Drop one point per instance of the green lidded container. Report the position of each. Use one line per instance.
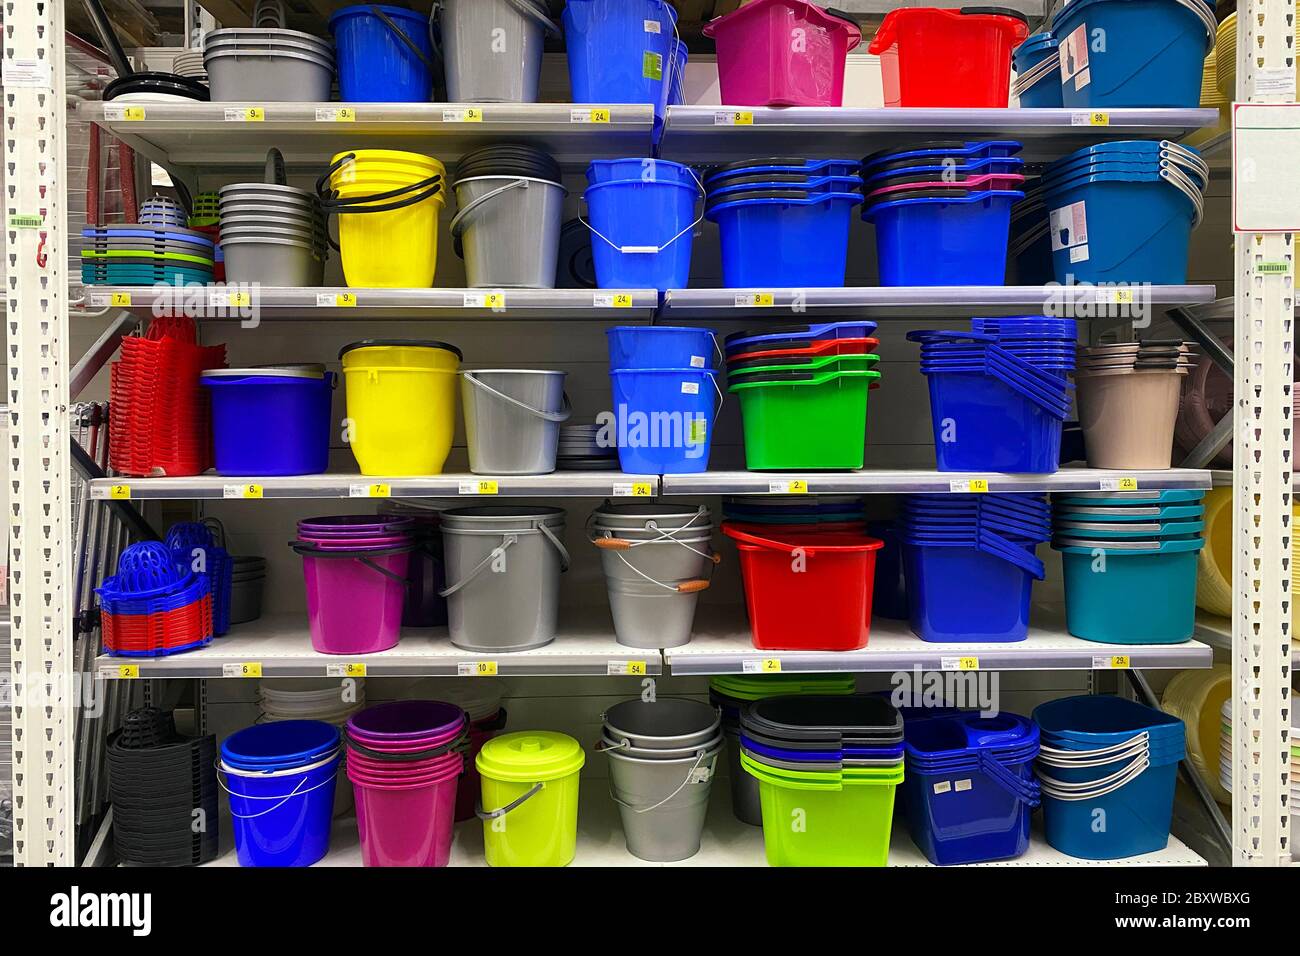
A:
(530, 798)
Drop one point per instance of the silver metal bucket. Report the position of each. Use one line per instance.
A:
(512, 419)
(492, 49)
(663, 803)
(503, 571)
(508, 231)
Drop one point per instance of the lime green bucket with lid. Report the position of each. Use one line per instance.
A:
(826, 819)
(530, 798)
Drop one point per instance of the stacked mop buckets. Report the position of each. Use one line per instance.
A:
(355, 570)
(405, 759)
(970, 788)
(642, 213)
(666, 396)
(1120, 548)
(834, 761)
(657, 560)
(1106, 758)
(281, 779)
(1130, 396)
(530, 798)
(512, 419)
(663, 754)
(733, 693)
(999, 394)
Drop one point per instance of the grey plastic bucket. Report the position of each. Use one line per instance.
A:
(649, 517)
(272, 262)
(512, 419)
(503, 575)
(746, 802)
(654, 585)
(492, 49)
(663, 803)
(508, 230)
(664, 723)
(277, 77)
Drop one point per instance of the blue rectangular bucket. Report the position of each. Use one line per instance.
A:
(928, 242)
(960, 595)
(785, 243)
(982, 424)
(643, 232)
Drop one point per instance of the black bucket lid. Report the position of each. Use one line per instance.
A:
(170, 83)
(400, 343)
(858, 717)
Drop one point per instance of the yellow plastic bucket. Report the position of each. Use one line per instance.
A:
(530, 798)
(402, 414)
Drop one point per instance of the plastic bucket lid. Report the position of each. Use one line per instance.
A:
(530, 757)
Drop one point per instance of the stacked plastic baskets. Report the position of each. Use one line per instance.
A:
(1124, 211)
(143, 255)
(970, 564)
(666, 395)
(193, 545)
(836, 763)
(803, 393)
(1130, 396)
(783, 221)
(1120, 548)
(942, 211)
(999, 394)
(153, 606)
(1107, 759)
(970, 788)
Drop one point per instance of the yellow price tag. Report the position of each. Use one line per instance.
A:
(119, 492)
(346, 114)
(1098, 119)
(641, 489)
(622, 300)
(478, 669)
(487, 488)
(120, 299)
(771, 665)
(134, 113)
(600, 115)
(252, 491)
(346, 300)
(798, 486)
(765, 299)
(1128, 483)
(494, 300)
(473, 115)
(979, 486)
(354, 670)
(1122, 296)
(968, 664)
(1122, 661)
(379, 490)
(241, 300)
(250, 669)
(254, 114)
(630, 668)
(743, 118)
(128, 671)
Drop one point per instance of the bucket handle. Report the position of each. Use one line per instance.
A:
(275, 174)
(653, 250)
(1180, 181)
(296, 792)
(513, 804)
(1028, 792)
(402, 36)
(1092, 789)
(507, 541)
(680, 787)
(555, 417)
(694, 586)
(460, 744)
(308, 552)
(268, 13)
(565, 559)
(457, 226)
(1056, 757)
(1000, 547)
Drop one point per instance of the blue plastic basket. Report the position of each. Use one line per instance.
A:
(744, 341)
(373, 63)
(184, 539)
(661, 346)
(666, 419)
(970, 151)
(642, 232)
(614, 58)
(785, 243)
(927, 242)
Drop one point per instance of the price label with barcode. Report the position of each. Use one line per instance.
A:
(336, 300)
(477, 669)
(349, 669)
(599, 114)
(246, 669)
(1125, 483)
(242, 491)
(626, 668)
(633, 489)
(483, 486)
(755, 300)
(733, 118)
(612, 300)
(969, 486)
(343, 114)
(788, 486)
(1113, 662)
(468, 114)
(767, 665)
(485, 300)
(376, 489)
(245, 114)
(959, 663)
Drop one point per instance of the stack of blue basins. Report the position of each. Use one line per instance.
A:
(192, 545)
(1124, 211)
(999, 394)
(942, 211)
(1118, 549)
(136, 254)
(783, 221)
(970, 564)
(795, 509)
(987, 816)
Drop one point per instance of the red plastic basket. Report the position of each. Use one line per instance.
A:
(156, 632)
(818, 348)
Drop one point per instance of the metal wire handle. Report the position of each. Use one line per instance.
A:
(682, 786)
(652, 250)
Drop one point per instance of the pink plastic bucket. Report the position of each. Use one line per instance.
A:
(467, 797)
(402, 722)
(334, 543)
(354, 598)
(405, 825)
(399, 769)
(782, 53)
(403, 779)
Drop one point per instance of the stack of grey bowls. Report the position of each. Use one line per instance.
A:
(247, 583)
(663, 754)
(268, 65)
(273, 235)
(580, 450)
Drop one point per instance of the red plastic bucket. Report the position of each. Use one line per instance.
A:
(405, 824)
(807, 589)
(354, 598)
(946, 58)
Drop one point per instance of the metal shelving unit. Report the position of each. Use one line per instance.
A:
(924, 482)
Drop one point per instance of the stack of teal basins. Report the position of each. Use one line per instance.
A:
(136, 254)
(1129, 560)
(999, 394)
(970, 564)
(783, 222)
(942, 211)
(1124, 212)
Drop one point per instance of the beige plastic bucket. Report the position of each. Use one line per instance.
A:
(1128, 416)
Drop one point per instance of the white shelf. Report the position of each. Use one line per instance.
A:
(900, 481)
(727, 842)
(1217, 632)
(720, 646)
(281, 646)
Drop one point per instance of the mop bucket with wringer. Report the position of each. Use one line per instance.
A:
(530, 798)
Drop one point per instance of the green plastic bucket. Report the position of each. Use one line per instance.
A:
(826, 819)
(530, 798)
(814, 423)
(828, 363)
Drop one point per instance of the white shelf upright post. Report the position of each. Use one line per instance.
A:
(1262, 487)
(36, 459)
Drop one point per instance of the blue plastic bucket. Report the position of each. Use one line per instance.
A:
(677, 89)
(976, 167)
(1154, 54)
(983, 424)
(665, 419)
(374, 64)
(1136, 814)
(266, 424)
(643, 232)
(785, 243)
(813, 168)
(963, 594)
(282, 818)
(620, 51)
(660, 346)
(1046, 93)
(638, 168)
(927, 242)
(280, 745)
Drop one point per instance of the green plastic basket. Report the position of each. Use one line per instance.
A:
(826, 819)
(828, 363)
(819, 423)
(741, 687)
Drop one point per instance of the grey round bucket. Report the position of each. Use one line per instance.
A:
(654, 586)
(492, 49)
(272, 262)
(648, 517)
(746, 802)
(512, 419)
(246, 600)
(280, 77)
(508, 229)
(503, 575)
(663, 803)
(663, 723)
(609, 744)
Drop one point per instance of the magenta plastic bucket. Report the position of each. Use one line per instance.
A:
(354, 597)
(405, 824)
(354, 524)
(467, 797)
(357, 544)
(427, 723)
(401, 772)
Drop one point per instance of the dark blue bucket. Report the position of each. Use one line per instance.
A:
(374, 64)
(268, 424)
(981, 423)
(665, 419)
(889, 595)
(643, 231)
(660, 346)
(620, 51)
(960, 241)
(965, 595)
(785, 243)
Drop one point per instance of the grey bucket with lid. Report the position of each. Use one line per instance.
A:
(508, 229)
(663, 803)
(503, 575)
(492, 49)
(512, 419)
